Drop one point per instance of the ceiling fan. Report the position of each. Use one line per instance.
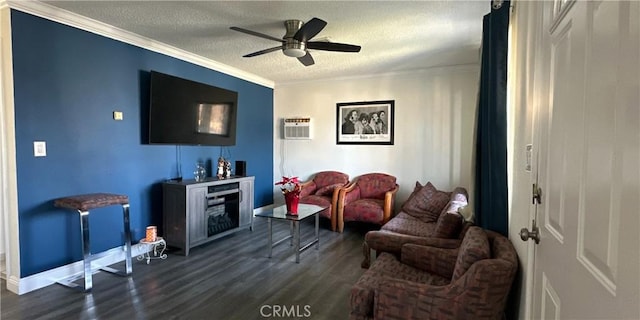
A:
(295, 42)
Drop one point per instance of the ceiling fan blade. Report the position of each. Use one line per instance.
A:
(307, 60)
(310, 30)
(257, 34)
(257, 53)
(332, 46)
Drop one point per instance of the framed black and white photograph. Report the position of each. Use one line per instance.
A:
(365, 122)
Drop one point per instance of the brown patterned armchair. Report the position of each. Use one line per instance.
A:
(370, 199)
(323, 190)
(471, 281)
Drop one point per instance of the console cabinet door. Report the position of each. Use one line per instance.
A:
(197, 220)
(246, 202)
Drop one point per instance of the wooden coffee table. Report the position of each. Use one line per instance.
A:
(280, 213)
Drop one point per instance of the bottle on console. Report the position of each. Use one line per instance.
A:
(227, 168)
(220, 171)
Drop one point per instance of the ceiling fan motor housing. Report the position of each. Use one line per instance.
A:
(296, 41)
(292, 47)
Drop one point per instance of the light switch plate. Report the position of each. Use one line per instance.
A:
(39, 148)
(117, 115)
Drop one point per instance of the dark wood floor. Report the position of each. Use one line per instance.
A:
(230, 278)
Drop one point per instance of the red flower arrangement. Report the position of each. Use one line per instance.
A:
(289, 184)
(291, 189)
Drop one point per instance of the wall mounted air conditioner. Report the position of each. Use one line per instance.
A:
(297, 128)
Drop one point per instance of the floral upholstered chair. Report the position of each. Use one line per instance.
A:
(323, 190)
(369, 199)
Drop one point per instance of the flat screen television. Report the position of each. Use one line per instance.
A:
(185, 112)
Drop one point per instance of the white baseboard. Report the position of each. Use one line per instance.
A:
(49, 277)
(3, 266)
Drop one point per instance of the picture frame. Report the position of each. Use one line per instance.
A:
(365, 122)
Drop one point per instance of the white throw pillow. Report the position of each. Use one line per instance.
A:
(466, 213)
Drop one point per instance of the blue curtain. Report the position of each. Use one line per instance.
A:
(491, 200)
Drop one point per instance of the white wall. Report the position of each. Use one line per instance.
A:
(2, 155)
(523, 103)
(435, 113)
(8, 180)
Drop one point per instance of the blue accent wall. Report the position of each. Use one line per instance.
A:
(67, 84)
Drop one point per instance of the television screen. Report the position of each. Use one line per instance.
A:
(185, 112)
(213, 119)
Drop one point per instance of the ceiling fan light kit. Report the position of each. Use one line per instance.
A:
(295, 42)
(294, 48)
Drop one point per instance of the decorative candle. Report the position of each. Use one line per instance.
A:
(152, 233)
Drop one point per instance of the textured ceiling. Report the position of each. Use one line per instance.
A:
(395, 36)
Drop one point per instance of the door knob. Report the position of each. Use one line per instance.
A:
(534, 234)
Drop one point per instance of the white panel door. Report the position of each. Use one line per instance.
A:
(587, 265)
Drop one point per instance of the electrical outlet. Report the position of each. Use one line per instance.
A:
(39, 149)
(117, 115)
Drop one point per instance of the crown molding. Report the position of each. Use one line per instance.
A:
(65, 17)
(459, 68)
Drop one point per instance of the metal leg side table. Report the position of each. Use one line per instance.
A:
(280, 213)
(83, 204)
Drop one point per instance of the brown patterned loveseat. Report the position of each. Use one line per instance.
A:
(428, 213)
(429, 282)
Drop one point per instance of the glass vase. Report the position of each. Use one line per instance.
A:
(291, 199)
(200, 174)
